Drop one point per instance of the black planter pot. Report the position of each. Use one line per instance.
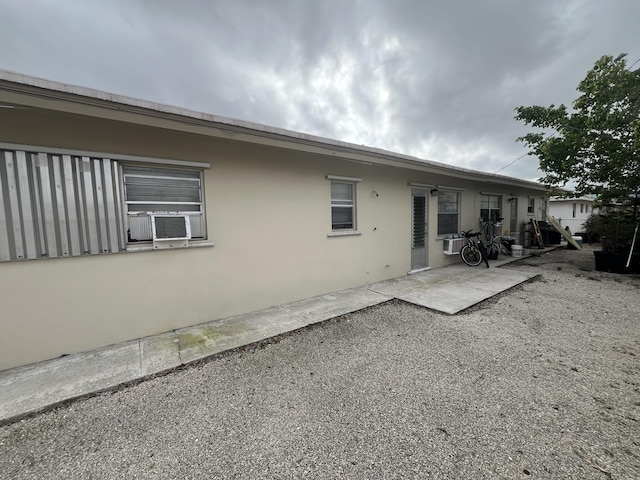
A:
(616, 262)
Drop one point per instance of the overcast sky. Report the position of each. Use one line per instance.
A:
(435, 79)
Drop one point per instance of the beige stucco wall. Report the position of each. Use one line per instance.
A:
(268, 215)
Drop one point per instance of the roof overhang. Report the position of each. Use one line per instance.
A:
(22, 91)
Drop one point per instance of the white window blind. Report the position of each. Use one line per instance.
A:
(448, 213)
(152, 190)
(342, 206)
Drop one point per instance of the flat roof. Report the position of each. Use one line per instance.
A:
(22, 83)
(572, 199)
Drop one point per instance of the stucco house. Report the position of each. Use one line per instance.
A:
(572, 212)
(122, 218)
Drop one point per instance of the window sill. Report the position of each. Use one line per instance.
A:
(447, 236)
(344, 234)
(147, 247)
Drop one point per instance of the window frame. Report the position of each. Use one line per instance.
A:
(348, 205)
(340, 204)
(440, 234)
(163, 172)
(531, 206)
(498, 209)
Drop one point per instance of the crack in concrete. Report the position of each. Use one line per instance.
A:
(177, 342)
(390, 297)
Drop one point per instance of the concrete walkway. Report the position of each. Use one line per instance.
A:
(32, 388)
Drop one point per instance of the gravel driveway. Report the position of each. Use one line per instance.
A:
(540, 382)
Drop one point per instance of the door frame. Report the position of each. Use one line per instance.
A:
(513, 219)
(423, 263)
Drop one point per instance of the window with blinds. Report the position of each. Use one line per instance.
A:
(58, 206)
(342, 206)
(448, 211)
(490, 207)
(152, 191)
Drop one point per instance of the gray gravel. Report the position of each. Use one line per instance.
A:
(540, 382)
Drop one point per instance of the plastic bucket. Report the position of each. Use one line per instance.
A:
(516, 250)
(578, 240)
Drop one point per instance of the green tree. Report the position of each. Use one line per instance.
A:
(596, 144)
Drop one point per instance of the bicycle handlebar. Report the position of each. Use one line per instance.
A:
(470, 233)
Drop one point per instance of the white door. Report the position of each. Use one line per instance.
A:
(418, 229)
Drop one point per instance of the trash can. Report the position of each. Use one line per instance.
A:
(578, 240)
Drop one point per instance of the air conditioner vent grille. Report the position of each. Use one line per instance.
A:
(171, 227)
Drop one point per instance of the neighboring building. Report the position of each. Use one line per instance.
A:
(572, 212)
(121, 218)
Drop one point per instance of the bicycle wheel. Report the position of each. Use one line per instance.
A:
(501, 246)
(471, 255)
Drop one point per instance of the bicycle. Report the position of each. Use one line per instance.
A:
(497, 246)
(473, 252)
(494, 244)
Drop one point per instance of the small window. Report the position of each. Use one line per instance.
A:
(531, 206)
(152, 191)
(448, 211)
(582, 208)
(586, 208)
(574, 210)
(490, 207)
(343, 207)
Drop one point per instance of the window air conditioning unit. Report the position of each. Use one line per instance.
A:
(170, 231)
(452, 246)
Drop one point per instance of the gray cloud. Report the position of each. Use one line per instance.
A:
(438, 80)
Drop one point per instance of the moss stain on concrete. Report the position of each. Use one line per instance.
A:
(206, 336)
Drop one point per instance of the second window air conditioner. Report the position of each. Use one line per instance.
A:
(452, 246)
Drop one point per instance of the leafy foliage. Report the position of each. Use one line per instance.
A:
(597, 143)
(614, 230)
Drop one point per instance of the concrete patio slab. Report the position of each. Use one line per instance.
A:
(452, 289)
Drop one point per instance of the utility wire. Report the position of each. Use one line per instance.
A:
(551, 135)
(521, 156)
(509, 164)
